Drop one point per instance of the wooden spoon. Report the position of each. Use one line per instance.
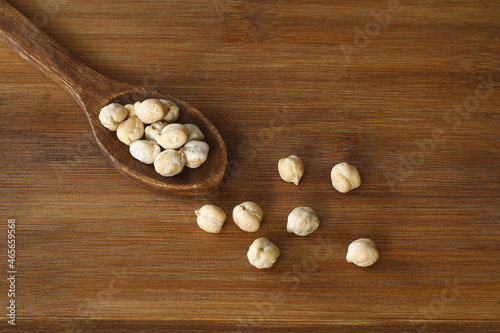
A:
(93, 91)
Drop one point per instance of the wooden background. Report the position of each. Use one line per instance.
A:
(413, 102)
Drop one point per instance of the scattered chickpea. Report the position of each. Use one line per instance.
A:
(130, 130)
(145, 151)
(345, 177)
(302, 221)
(128, 121)
(291, 169)
(194, 133)
(210, 218)
(362, 252)
(196, 153)
(151, 131)
(173, 136)
(248, 216)
(150, 111)
(112, 115)
(262, 253)
(170, 162)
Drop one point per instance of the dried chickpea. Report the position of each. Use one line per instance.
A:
(171, 111)
(130, 130)
(345, 177)
(151, 131)
(136, 106)
(112, 115)
(262, 253)
(170, 162)
(362, 252)
(291, 169)
(196, 153)
(302, 221)
(172, 136)
(131, 110)
(194, 133)
(210, 218)
(248, 216)
(150, 111)
(145, 151)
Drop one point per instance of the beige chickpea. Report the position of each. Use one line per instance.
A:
(112, 115)
(262, 253)
(362, 252)
(172, 111)
(196, 153)
(151, 131)
(248, 216)
(150, 111)
(291, 169)
(131, 110)
(172, 136)
(194, 133)
(345, 177)
(130, 130)
(145, 151)
(210, 218)
(170, 162)
(302, 221)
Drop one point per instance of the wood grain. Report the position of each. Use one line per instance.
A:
(415, 106)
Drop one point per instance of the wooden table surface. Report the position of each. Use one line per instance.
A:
(409, 92)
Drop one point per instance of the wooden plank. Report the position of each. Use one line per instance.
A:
(415, 107)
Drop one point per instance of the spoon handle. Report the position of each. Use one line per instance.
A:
(56, 62)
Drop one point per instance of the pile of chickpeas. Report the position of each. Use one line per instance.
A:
(302, 221)
(149, 128)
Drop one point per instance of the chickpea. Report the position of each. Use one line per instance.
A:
(362, 252)
(173, 136)
(112, 115)
(131, 110)
(210, 218)
(302, 221)
(130, 130)
(345, 177)
(248, 216)
(172, 111)
(170, 162)
(151, 131)
(145, 151)
(262, 253)
(196, 153)
(150, 111)
(194, 133)
(291, 169)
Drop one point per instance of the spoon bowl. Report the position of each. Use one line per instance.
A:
(206, 178)
(93, 91)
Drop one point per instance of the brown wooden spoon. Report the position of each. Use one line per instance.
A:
(93, 91)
